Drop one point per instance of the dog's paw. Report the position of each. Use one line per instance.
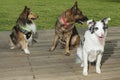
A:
(12, 47)
(85, 73)
(67, 54)
(82, 65)
(51, 49)
(26, 51)
(98, 70)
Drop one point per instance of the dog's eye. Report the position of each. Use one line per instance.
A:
(31, 13)
(96, 28)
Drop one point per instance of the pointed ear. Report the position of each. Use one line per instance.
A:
(90, 22)
(24, 13)
(25, 8)
(76, 4)
(105, 20)
(75, 7)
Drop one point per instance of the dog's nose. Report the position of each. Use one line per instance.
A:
(85, 18)
(102, 35)
(37, 16)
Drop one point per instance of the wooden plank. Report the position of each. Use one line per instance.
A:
(44, 65)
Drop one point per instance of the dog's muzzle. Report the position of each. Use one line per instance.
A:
(81, 20)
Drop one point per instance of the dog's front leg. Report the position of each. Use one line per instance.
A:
(24, 46)
(67, 47)
(55, 42)
(85, 63)
(98, 63)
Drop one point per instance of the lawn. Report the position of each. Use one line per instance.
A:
(49, 10)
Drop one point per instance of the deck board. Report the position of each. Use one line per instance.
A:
(44, 65)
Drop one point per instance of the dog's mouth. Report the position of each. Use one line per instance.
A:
(101, 37)
(79, 21)
(34, 18)
(82, 20)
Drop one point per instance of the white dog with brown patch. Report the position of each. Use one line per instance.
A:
(92, 47)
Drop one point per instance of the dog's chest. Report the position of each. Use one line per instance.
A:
(63, 36)
(91, 43)
(32, 27)
(92, 55)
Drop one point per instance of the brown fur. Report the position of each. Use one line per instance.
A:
(17, 37)
(65, 31)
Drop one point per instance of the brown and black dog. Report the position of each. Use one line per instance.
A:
(23, 32)
(65, 31)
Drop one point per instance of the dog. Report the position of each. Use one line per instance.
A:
(92, 47)
(24, 31)
(65, 31)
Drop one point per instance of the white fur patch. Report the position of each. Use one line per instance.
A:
(32, 27)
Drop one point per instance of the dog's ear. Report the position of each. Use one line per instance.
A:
(24, 13)
(105, 20)
(75, 7)
(90, 23)
(25, 8)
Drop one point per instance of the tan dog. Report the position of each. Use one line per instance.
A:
(24, 30)
(65, 31)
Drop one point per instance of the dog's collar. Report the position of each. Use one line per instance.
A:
(64, 21)
(26, 28)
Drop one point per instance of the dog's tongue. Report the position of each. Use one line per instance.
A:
(101, 39)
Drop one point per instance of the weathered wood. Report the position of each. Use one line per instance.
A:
(44, 65)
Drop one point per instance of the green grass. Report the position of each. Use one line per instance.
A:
(49, 10)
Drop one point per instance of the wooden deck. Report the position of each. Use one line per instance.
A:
(44, 65)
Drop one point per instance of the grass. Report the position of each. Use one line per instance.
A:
(49, 10)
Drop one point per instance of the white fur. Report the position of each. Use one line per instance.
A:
(32, 27)
(28, 43)
(26, 51)
(92, 48)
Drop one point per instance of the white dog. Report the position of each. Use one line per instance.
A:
(92, 47)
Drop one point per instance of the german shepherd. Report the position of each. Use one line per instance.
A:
(24, 31)
(65, 31)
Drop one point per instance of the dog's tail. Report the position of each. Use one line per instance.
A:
(79, 55)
